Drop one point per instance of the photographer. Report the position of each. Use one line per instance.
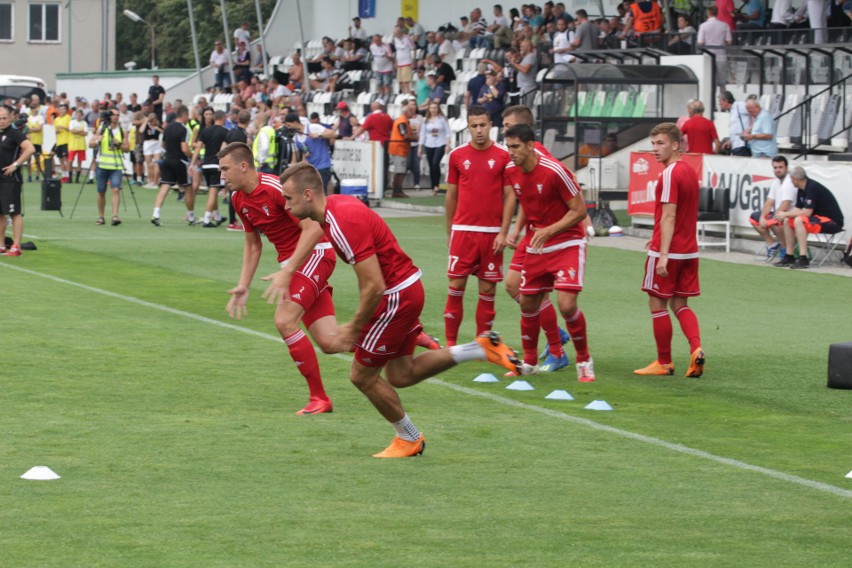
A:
(288, 154)
(15, 150)
(313, 141)
(111, 141)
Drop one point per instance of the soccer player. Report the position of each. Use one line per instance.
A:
(262, 209)
(555, 357)
(671, 270)
(479, 209)
(556, 249)
(385, 325)
(176, 140)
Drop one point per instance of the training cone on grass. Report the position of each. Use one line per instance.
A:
(40, 473)
(520, 386)
(560, 395)
(486, 378)
(849, 475)
(598, 405)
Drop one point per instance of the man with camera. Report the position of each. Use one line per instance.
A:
(110, 142)
(15, 150)
(313, 141)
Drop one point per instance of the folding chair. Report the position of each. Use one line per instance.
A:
(829, 243)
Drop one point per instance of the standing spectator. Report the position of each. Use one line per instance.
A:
(237, 134)
(356, 31)
(77, 130)
(382, 66)
(682, 42)
(377, 125)
(586, 36)
(436, 92)
(221, 62)
(242, 62)
(61, 125)
(671, 270)
(416, 32)
(475, 84)
(243, 34)
(133, 105)
(562, 40)
(125, 117)
(492, 96)
(176, 139)
(399, 147)
(760, 134)
(156, 95)
(738, 121)
(435, 139)
(782, 197)
(525, 65)
(703, 138)
(151, 148)
(313, 141)
(415, 122)
(404, 48)
(818, 12)
(725, 13)
(346, 122)
(35, 134)
(111, 141)
(819, 213)
(714, 33)
(15, 150)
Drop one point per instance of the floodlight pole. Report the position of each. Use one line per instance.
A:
(195, 44)
(137, 18)
(228, 43)
(260, 28)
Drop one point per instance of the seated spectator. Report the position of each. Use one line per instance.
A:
(819, 213)
(474, 85)
(700, 131)
(752, 16)
(354, 55)
(327, 78)
(445, 48)
(500, 30)
(297, 72)
(782, 197)
(276, 92)
(432, 44)
(478, 30)
(436, 92)
(588, 151)
(443, 72)
(492, 96)
(682, 43)
(760, 134)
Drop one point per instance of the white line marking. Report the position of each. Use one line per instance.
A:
(819, 486)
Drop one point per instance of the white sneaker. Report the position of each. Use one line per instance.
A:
(417, 186)
(586, 371)
(527, 369)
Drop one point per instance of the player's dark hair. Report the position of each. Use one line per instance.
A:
(727, 96)
(219, 115)
(779, 159)
(521, 112)
(669, 129)
(303, 176)
(181, 111)
(239, 152)
(477, 110)
(522, 132)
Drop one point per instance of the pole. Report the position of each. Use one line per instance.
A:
(70, 44)
(306, 85)
(228, 42)
(195, 45)
(153, 65)
(104, 34)
(262, 37)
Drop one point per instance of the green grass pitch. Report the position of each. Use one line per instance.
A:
(172, 426)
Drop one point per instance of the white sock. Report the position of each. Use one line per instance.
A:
(207, 216)
(406, 429)
(217, 215)
(157, 212)
(472, 351)
(190, 216)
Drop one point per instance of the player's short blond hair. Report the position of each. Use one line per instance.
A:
(239, 151)
(669, 129)
(303, 176)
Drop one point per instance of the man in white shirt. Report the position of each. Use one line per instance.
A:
(220, 60)
(242, 33)
(445, 48)
(738, 121)
(715, 32)
(404, 58)
(782, 196)
(382, 65)
(500, 30)
(562, 40)
(356, 31)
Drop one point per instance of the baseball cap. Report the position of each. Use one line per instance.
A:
(291, 117)
(342, 105)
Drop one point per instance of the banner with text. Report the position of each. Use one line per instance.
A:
(361, 160)
(644, 171)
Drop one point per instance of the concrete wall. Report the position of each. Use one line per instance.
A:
(81, 46)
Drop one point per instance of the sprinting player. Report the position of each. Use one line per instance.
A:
(556, 250)
(671, 270)
(261, 207)
(176, 138)
(479, 209)
(554, 355)
(386, 323)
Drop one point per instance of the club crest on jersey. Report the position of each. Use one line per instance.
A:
(491, 163)
(466, 164)
(266, 210)
(539, 187)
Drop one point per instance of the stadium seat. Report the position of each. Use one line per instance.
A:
(714, 211)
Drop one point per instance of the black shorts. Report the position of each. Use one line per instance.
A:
(212, 176)
(61, 150)
(37, 149)
(173, 172)
(10, 198)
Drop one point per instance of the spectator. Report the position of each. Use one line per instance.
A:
(399, 147)
(444, 73)
(15, 150)
(243, 34)
(242, 62)
(354, 55)
(435, 138)
(525, 65)
(111, 141)
(586, 35)
(61, 125)
(752, 16)
(432, 44)
(221, 62)
(382, 65)
(377, 125)
(492, 97)
(35, 134)
(715, 33)
(416, 32)
(296, 71)
(562, 40)
(819, 213)
(77, 130)
(818, 12)
(415, 123)
(783, 16)
(588, 150)
(738, 121)
(260, 60)
(475, 84)
(156, 95)
(276, 92)
(500, 29)
(684, 140)
(478, 28)
(782, 196)
(404, 48)
(346, 122)
(313, 141)
(682, 42)
(421, 86)
(327, 78)
(445, 48)
(725, 13)
(760, 134)
(356, 31)
(436, 92)
(703, 138)
(643, 17)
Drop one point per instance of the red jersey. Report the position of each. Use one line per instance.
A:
(544, 194)
(357, 232)
(701, 133)
(480, 176)
(378, 125)
(678, 184)
(264, 210)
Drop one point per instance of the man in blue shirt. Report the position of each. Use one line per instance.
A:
(761, 134)
(312, 140)
(752, 16)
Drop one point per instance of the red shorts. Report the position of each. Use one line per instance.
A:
(520, 254)
(681, 281)
(472, 253)
(78, 155)
(309, 287)
(562, 269)
(816, 224)
(392, 331)
(755, 219)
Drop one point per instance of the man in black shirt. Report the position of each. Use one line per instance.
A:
(156, 94)
(819, 213)
(15, 150)
(444, 72)
(176, 150)
(237, 134)
(212, 139)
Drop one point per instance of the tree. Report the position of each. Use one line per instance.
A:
(170, 19)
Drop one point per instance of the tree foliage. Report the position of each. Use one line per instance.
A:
(173, 39)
